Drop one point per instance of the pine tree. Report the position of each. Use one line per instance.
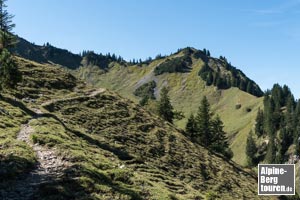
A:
(208, 53)
(249, 88)
(9, 74)
(191, 127)
(242, 85)
(251, 149)
(209, 79)
(7, 39)
(269, 126)
(203, 123)
(165, 108)
(271, 151)
(207, 131)
(259, 125)
(219, 141)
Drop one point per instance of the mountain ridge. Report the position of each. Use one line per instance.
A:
(189, 73)
(142, 157)
(49, 53)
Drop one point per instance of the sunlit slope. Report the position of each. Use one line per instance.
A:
(186, 92)
(114, 149)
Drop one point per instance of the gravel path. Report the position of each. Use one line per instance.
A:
(49, 167)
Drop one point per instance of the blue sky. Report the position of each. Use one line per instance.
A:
(262, 38)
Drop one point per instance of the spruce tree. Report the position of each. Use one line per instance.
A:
(207, 131)
(219, 141)
(249, 88)
(191, 127)
(269, 126)
(165, 108)
(259, 123)
(209, 79)
(271, 151)
(7, 39)
(203, 123)
(9, 74)
(251, 149)
(208, 53)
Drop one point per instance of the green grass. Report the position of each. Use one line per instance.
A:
(15, 156)
(186, 92)
(157, 161)
(117, 150)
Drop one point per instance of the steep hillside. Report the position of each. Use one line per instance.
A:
(50, 54)
(180, 73)
(189, 74)
(79, 142)
(46, 53)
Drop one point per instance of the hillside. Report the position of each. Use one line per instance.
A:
(46, 54)
(189, 74)
(79, 142)
(52, 55)
(236, 108)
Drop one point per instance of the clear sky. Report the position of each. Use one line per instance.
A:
(260, 37)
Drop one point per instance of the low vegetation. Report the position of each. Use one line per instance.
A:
(145, 92)
(178, 64)
(15, 157)
(117, 150)
(212, 74)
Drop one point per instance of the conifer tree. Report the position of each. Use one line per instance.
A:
(251, 149)
(191, 127)
(269, 115)
(209, 79)
(203, 123)
(207, 131)
(249, 88)
(259, 125)
(208, 53)
(271, 151)
(219, 141)
(7, 39)
(9, 74)
(165, 108)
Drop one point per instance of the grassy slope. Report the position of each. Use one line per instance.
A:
(15, 156)
(186, 91)
(116, 149)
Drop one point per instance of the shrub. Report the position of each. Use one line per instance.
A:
(180, 64)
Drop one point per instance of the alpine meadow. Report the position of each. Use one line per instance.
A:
(175, 126)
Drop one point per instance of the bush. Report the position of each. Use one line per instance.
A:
(224, 81)
(180, 64)
(238, 106)
(9, 73)
(122, 176)
(146, 91)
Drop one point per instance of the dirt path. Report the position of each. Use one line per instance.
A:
(49, 168)
(91, 94)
